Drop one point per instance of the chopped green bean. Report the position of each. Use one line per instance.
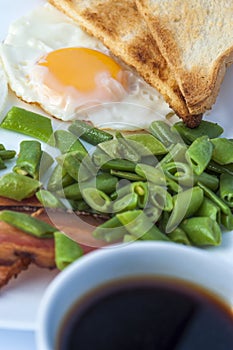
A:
(211, 181)
(209, 209)
(206, 128)
(68, 142)
(18, 187)
(199, 154)
(111, 230)
(138, 224)
(27, 223)
(48, 199)
(186, 203)
(78, 166)
(59, 179)
(176, 153)
(226, 189)
(89, 133)
(217, 200)
(7, 154)
(163, 132)
(97, 199)
(146, 144)
(66, 250)
(126, 175)
(179, 172)
(151, 174)
(128, 202)
(103, 182)
(202, 231)
(29, 123)
(223, 151)
(179, 236)
(160, 197)
(29, 159)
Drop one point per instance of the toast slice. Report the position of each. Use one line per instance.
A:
(195, 37)
(120, 27)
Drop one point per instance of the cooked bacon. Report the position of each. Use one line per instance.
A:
(19, 249)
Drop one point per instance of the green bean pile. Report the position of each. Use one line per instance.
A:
(170, 183)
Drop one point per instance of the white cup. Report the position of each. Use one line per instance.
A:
(136, 259)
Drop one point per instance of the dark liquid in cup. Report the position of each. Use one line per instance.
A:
(148, 314)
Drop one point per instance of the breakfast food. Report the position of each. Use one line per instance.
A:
(57, 65)
(3, 87)
(120, 27)
(196, 40)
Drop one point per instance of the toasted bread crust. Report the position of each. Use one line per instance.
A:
(120, 27)
(201, 78)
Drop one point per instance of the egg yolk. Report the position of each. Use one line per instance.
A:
(80, 67)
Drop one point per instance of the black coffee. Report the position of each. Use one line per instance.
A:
(146, 314)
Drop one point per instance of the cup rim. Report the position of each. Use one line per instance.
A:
(87, 261)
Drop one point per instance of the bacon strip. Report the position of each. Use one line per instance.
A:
(18, 249)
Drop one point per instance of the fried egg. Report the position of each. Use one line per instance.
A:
(51, 61)
(3, 88)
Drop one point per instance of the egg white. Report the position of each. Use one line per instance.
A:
(3, 88)
(46, 29)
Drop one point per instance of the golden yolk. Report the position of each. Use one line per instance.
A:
(79, 67)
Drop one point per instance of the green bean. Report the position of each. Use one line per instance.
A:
(29, 123)
(223, 151)
(199, 154)
(202, 231)
(227, 221)
(146, 144)
(27, 224)
(59, 179)
(226, 189)
(80, 168)
(126, 175)
(151, 174)
(153, 213)
(68, 142)
(139, 187)
(119, 165)
(138, 224)
(103, 182)
(2, 164)
(206, 128)
(66, 250)
(119, 148)
(111, 230)
(48, 199)
(79, 205)
(97, 199)
(160, 197)
(126, 149)
(29, 159)
(45, 163)
(217, 200)
(89, 133)
(17, 186)
(209, 209)
(128, 202)
(176, 153)
(179, 172)
(219, 169)
(179, 236)
(7, 154)
(163, 132)
(185, 204)
(211, 181)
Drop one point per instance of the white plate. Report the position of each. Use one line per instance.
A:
(20, 299)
